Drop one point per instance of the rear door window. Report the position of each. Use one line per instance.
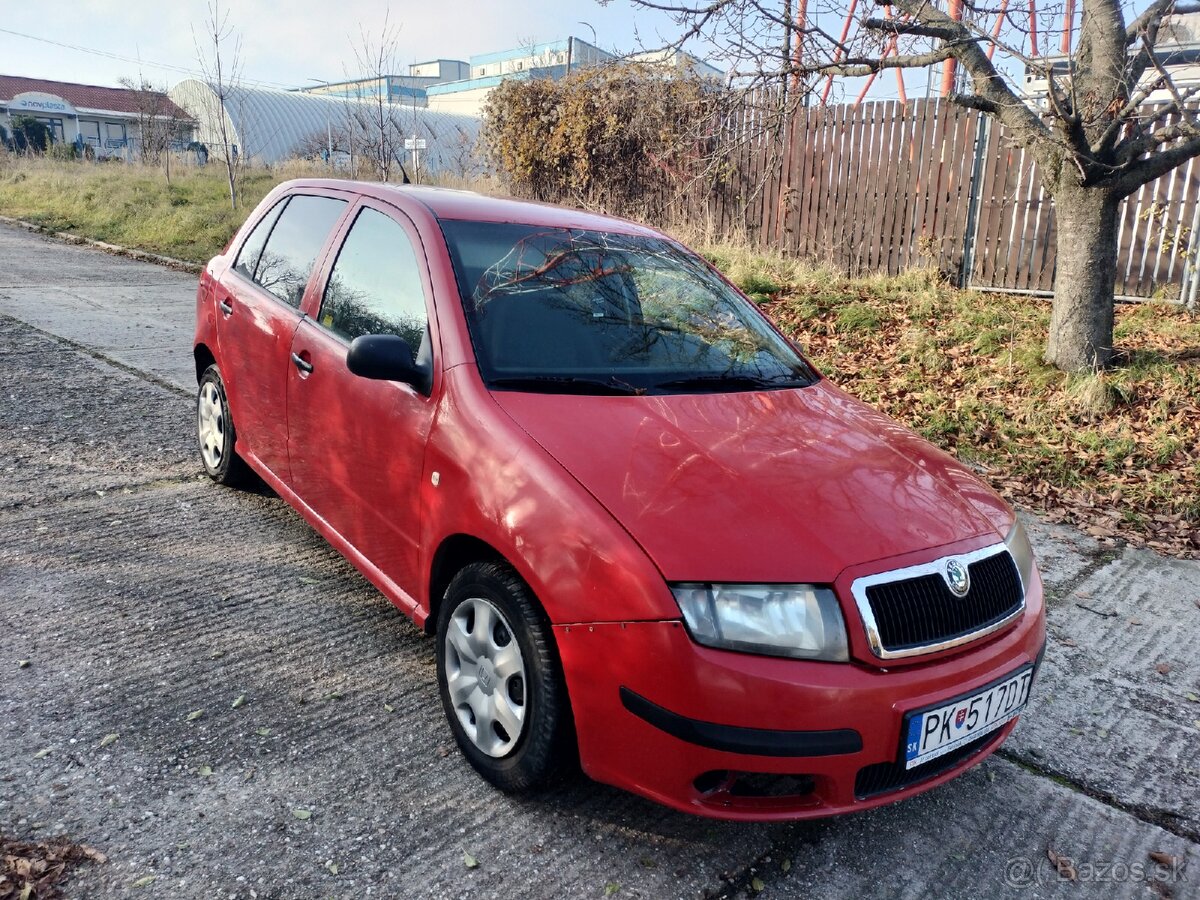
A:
(375, 286)
(248, 256)
(291, 250)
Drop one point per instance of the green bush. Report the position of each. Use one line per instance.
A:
(612, 136)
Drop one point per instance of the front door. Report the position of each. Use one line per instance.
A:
(258, 310)
(356, 445)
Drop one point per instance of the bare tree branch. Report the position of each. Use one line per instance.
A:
(1157, 165)
(987, 82)
(1152, 15)
(899, 27)
(859, 66)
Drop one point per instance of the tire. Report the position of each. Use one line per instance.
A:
(481, 682)
(215, 434)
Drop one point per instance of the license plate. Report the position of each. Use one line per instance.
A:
(937, 731)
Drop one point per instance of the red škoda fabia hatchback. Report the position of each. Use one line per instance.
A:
(648, 536)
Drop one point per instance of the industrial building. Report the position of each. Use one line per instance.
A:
(409, 89)
(676, 62)
(267, 126)
(462, 87)
(106, 120)
(554, 60)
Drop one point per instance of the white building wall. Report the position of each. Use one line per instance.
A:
(463, 103)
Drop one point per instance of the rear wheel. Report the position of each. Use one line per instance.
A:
(500, 679)
(215, 433)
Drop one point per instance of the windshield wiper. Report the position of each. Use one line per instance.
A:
(733, 382)
(564, 384)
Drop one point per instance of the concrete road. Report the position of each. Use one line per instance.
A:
(214, 698)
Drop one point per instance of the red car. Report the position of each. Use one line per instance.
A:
(650, 538)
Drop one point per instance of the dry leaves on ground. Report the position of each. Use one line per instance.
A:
(35, 870)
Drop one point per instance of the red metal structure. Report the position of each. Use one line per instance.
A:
(838, 53)
(950, 67)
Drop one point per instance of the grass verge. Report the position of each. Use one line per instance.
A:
(190, 219)
(133, 206)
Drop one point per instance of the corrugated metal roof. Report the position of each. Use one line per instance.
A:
(86, 96)
(270, 126)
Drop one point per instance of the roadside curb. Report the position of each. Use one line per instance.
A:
(169, 262)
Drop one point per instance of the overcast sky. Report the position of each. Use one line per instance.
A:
(287, 43)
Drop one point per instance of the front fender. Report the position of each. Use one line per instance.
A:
(485, 477)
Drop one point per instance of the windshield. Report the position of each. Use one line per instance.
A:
(564, 310)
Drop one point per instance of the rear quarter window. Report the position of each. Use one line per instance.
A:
(248, 256)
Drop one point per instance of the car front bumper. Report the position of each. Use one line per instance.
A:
(738, 736)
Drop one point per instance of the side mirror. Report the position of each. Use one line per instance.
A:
(387, 357)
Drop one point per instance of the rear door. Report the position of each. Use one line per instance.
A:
(357, 446)
(259, 301)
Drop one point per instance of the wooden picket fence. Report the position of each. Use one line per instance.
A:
(886, 186)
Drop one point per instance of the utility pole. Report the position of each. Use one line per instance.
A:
(328, 128)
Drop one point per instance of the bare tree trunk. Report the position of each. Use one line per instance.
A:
(229, 170)
(1081, 325)
(222, 71)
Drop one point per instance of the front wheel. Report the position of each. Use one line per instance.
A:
(215, 433)
(500, 679)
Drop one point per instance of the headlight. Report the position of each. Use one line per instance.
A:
(799, 620)
(1022, 553)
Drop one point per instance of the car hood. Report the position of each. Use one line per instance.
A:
(761, 486)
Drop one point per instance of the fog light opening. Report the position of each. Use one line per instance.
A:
(711, 782)
(764, 784)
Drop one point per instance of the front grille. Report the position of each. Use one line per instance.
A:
(880, 778)
(919, 611)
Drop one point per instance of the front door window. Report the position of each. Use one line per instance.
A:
(375, 286)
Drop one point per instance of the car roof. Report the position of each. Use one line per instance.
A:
(449, 203)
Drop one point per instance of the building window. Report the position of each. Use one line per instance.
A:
(55, 126)
(114, 135)
(90, 132)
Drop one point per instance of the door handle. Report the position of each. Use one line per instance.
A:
(226, 307)
(302, 364)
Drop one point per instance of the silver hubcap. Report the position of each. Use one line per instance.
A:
(210, 426)
(485, 674)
